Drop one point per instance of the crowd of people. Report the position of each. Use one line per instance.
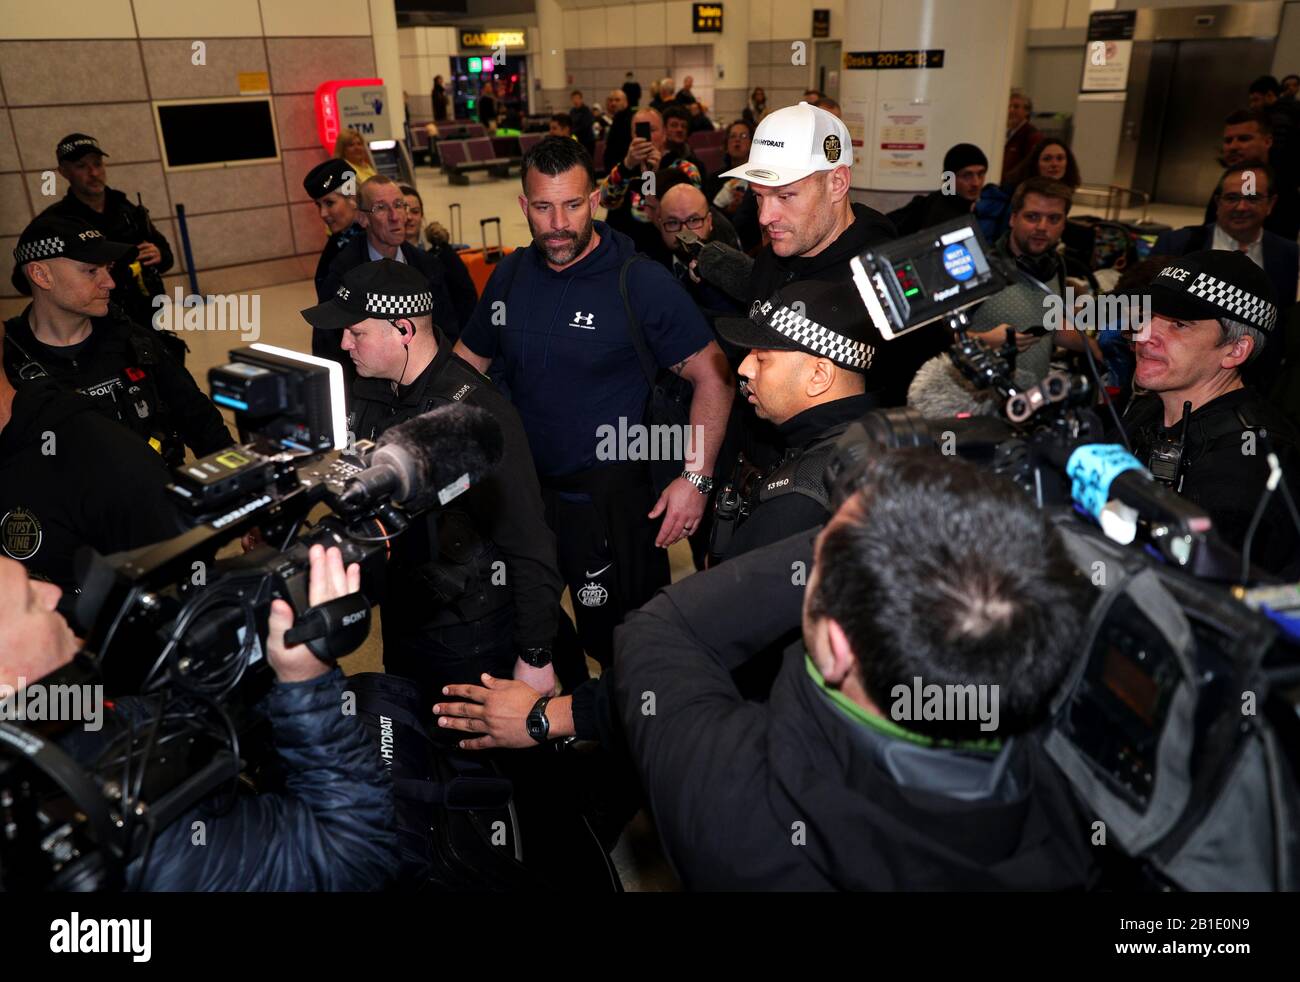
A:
(769, 693)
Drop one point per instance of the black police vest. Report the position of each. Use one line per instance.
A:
(801, 471)
(459, 579)
(1161, 455)
(134, 401)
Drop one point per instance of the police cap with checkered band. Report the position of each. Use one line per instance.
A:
(822, 318)
(1215, 284)
(60, 237)
(386, 290)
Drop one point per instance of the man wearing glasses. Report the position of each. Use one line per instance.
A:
(682, 207)
(382, 213)
(1245, 196)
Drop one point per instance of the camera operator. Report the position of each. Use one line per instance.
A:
(333, 830)
(69, 333)
(475, 588)
(810, 350)
(1213, 311)
(933, 572)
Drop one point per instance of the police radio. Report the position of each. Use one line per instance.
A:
(1166, 462)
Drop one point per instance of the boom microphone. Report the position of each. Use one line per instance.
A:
(430, 459)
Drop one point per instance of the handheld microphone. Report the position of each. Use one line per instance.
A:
(727, 269)
(1110, 484)
(430, 459)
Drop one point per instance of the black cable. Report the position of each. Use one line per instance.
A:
(1101, 387)
(1251, 530)
(134, 800)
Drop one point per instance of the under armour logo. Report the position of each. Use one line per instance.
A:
(587, 321)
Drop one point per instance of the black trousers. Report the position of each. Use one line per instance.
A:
(591, 557)
(455, 654)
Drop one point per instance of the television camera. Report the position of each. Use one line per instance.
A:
(174, 632)
(1172, 724)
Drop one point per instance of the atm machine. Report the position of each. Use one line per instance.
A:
(361, 104)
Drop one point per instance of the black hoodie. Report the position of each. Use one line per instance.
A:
(70, 477)
(899, 359)
(795, 794)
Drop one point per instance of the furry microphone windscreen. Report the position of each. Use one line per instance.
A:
(453, 446)
(940, 391)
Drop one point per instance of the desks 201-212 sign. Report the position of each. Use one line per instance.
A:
(932, 58)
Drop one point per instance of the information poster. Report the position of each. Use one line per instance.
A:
(857, 126)
(904, 127)
(1109, 51)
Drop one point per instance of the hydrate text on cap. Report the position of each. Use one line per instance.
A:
(792, 143)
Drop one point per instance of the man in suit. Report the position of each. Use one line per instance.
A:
(382, 213)
(1247, 136)
(1245, 196)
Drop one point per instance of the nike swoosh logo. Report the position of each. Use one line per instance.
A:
(591, 576)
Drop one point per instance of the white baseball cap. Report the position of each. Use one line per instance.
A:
(792, 143)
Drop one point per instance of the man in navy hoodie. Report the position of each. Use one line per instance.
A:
(554, 318)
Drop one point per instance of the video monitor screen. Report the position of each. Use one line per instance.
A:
(213, 134)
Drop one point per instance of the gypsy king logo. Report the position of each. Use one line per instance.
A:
(20, 534)
(831, 148)
(593, 595)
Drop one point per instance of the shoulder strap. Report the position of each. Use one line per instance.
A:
(448, 388)
(509, 284)
(648, 366)
(792, 469)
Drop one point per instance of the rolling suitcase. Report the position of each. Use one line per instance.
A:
(481, 262)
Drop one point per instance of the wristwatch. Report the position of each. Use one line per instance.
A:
(702, 484)
(536, 657)
(537, 724)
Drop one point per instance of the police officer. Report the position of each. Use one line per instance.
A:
(333, 186)
(474, 588)
(811, 348)
(1213, 312)
(71, 478)
(71, 333)
(91, 200)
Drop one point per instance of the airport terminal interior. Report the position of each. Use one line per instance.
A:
(241, 148)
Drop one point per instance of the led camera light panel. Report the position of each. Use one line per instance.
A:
(910, 282)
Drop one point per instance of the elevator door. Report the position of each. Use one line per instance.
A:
(1208, 81)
